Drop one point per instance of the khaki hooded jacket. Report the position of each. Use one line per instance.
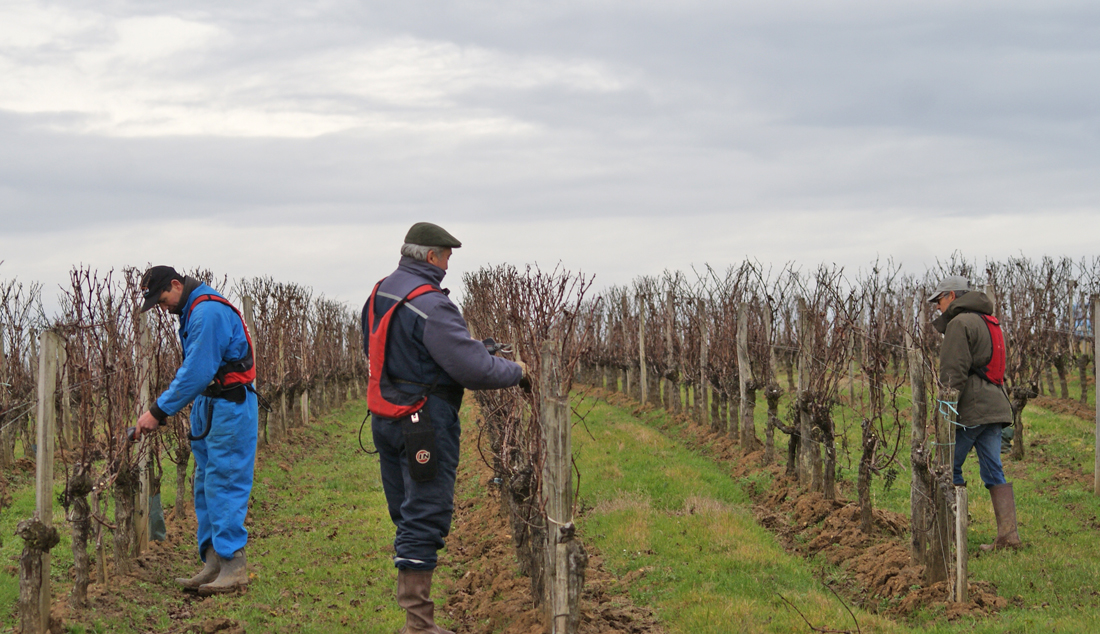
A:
(966, 347)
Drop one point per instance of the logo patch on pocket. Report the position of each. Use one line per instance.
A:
(423, 456)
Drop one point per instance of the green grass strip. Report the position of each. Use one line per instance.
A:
(320, 549)
(672, 520)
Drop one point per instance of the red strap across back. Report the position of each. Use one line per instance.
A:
(994, 371)
(241, 371)
(377, 403)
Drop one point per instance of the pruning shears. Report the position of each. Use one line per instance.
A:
(494, 346)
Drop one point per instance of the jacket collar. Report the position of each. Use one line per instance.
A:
(430, 272)
(189, 286)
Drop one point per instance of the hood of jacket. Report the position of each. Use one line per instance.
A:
(972, 302)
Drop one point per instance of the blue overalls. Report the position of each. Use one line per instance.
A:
(212, 334)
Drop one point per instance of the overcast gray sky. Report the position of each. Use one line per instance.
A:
(300, 140)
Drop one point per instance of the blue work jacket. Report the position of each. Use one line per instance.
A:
(212, 335)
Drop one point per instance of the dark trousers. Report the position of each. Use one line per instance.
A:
(421, 511)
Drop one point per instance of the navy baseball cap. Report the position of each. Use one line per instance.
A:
(155, 281)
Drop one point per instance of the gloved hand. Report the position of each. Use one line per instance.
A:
(525, 380)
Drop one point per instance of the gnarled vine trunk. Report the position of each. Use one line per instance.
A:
(77, 492)
(127, 486)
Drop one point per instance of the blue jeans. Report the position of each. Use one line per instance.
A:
(986, 441)
(421, 511)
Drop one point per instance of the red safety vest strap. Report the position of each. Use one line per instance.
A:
(994, 371)
(377, 338)
(240, 371)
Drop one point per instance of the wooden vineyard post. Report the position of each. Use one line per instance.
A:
(67, 435)
(39, 533)
(141, 526)
(34, 359)
(769, 429)
(281, 426)
(1096, 360)
(643, 383)
(803, 421)
(946, 416)
(852, 363)
(565, 559)
(702, 409)
(628, 382)
(672, 382)
(303, 402)
(809, 452)
(921, 487)
(248, 309)
(100, 554)
(7, 431)
(962, 524)
(746, 381)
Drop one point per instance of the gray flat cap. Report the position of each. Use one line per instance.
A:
(428, 235)
(949, 284)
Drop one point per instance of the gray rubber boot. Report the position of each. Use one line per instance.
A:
(1004, 508)
(414, 588)
(233, 575)
(208, 573)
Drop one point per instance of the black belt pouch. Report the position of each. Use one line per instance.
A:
(420, 445)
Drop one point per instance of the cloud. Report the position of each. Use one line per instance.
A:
(163, 75)
(589, 132)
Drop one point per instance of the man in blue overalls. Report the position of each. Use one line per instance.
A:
(217, 374)
(422, 358)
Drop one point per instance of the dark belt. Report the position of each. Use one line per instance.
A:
(452, 394)
(234, 394)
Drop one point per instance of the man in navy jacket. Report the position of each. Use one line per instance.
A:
(428, 352)
(216, 374)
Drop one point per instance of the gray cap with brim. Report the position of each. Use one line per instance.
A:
(949, 284)
(428, 235)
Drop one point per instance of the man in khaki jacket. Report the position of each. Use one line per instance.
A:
(972, 361)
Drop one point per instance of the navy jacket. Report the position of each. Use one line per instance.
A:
(429, 340)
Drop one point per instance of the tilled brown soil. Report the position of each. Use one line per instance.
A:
(877, 574)
(1063, 406)
(491, 596)
(106, 601)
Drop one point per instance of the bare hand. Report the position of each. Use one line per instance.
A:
(146, 422)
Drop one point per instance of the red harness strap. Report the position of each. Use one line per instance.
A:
(241, 371)
(377, 403)
(994, 371)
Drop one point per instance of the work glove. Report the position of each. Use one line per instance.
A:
(525, 380)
